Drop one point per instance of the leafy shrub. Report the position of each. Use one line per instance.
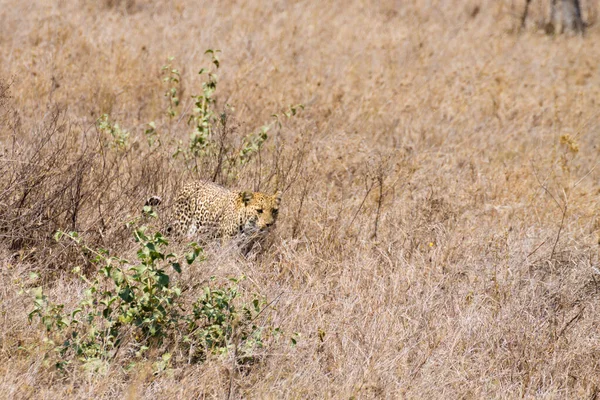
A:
(132, 307)
(211, 146)
(119, 136)
(172, 79)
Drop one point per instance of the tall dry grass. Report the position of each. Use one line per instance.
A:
(439, 229)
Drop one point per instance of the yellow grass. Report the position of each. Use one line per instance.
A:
(472, 141)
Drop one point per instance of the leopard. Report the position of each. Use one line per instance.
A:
(207, 210)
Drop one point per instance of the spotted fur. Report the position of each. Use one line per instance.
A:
(206, 209)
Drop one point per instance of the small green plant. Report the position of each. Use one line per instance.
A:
(123, 301)
(210, 129)
(253, 143)
(172, 79)
(152, 134)
(203, 117)
(217, 319)
(131, 307)
(120, 137)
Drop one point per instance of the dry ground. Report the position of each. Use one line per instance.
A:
(438, 236)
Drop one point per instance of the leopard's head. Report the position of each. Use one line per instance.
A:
(259, 211)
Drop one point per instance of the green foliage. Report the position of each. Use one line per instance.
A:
(119, 136)
(133, 307)
(172, 79)
(253, 143)
(151, 134)
(203, 117)
(210, 129)
(216, 319)
(52, 314)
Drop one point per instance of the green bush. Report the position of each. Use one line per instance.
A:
(211, 146)
(131, 307)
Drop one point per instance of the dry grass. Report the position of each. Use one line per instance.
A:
(439, 229)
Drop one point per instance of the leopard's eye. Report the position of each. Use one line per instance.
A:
(260, 211)
(275, 211)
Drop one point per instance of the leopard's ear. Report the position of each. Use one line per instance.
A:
(277, 197)
(246, 197)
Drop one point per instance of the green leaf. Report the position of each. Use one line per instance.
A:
(127, 295)
(117, 276)
(190, 257)
(163, 279)
(38, 293)
(256, 305)
(176, 266)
